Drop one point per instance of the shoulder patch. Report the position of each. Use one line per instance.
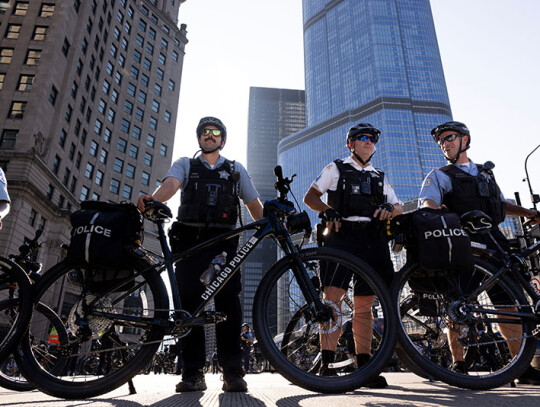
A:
(427, 182)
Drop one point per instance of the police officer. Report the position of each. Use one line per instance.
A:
(463, 186)
(247, 345)
(4, 197)
(209, 206)
(359, 200)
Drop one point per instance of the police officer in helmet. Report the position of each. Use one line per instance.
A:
(359, 201)
(463, 186)
(209, 206)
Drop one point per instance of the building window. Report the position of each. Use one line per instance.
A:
(93, 148)
(77, 127)
(171, 84)
(2, 80)
(13, 31)
(145, 80)
(116, 33)
(67, 173)
(78, 161)
(89, 171)
(56, 165)
(50, 192)
(148, 159)
(157, 90)
(137, 56)
(153, 123)
(149, 48)
(113, 51)
(125, 125)
(142, 25)
(25, 83)
(163, 150)
(139, 40)
(110, 68)
(127, 28)
(134, 72)
(150, 141)
(110, 115)
(69, 111)
(72, 151)
(65, 47)
(118, 78)
(40, 32)
(114, 96)
(6, 54)
(142, 97)
(133, 151)
(131, 89)
(32, 218)
(139, 114)
(99, 177)
(32, 57)
(147, 64)
(9, 138)
(82, 105)
(73, 185)
(102, 106)
(124, 44)
(62, 139)
(122, 144)
(128, 107)
(107, 134)
(21, 8)
(115, 186)
(164, 43)
(145, 178)
(47, 10)
(17, 110)
(167, 116)
(74, 89)
(136, 133)
(160, 73)
(126, 191)
(130, 171)
(84, 193)
(175, 56)
(121, 60)
(106, 87)
(162, 59)
(155, 106)
(79, 67)
(103, 156)
(152, 32)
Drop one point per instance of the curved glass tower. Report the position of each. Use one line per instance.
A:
(374, 61)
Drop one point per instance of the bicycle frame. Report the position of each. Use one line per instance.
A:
(272, 225)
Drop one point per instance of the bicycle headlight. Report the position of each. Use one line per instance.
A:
(298, 222)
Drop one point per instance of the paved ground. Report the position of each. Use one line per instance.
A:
(269, 389)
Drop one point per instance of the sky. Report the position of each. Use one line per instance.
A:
(490, 51)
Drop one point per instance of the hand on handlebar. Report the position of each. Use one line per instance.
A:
(141, 202)
(332, 219)
(384, 211)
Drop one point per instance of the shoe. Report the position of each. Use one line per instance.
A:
(378, 382)
(192, 380)
(459, 367)
(324, 370)
(531, 376)
(233, 380)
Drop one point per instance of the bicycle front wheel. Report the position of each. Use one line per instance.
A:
(121, 330)
(10, 374)
(14, 284)
(494, 349)
(289, 332)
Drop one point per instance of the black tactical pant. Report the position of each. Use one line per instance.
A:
(188, 272)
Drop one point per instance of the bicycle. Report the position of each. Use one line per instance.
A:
(136, 308)
(495, 310)
(10, 376)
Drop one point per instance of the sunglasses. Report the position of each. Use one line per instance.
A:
(365, 137)
(450, 137)
(213, 132)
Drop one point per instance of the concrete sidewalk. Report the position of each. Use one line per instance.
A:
(269, 389)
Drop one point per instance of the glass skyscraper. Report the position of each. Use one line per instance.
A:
(376, 62)
(273, 115)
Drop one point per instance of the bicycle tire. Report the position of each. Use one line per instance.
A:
(482, 377)
(14, 282)
(68, 288)
(15, 380)
(278, 295)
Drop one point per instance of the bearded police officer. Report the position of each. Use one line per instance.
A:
(359, 200)
(211, 186)
(463, 186)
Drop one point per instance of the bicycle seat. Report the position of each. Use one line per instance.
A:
(476, 222)
(156, 211)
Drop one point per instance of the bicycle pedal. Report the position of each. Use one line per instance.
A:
(213, 317)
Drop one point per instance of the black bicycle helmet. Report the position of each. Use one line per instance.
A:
(363, 128)
(212, 121)
(461, 128)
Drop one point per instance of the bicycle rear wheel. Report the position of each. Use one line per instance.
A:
(10, 374)
(14, 284)
(426, 314)
(122, 329)
(279, 324)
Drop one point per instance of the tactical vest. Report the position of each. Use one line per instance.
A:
(209, 197)
(358, 193)
(470, 192)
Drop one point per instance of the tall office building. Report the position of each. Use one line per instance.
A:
(88, 99)
(273, 115)
(376, 62)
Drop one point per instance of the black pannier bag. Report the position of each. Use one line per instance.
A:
(104, 235)
(435, 240)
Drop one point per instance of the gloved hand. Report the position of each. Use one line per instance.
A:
(384, 211)
(330, 215)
